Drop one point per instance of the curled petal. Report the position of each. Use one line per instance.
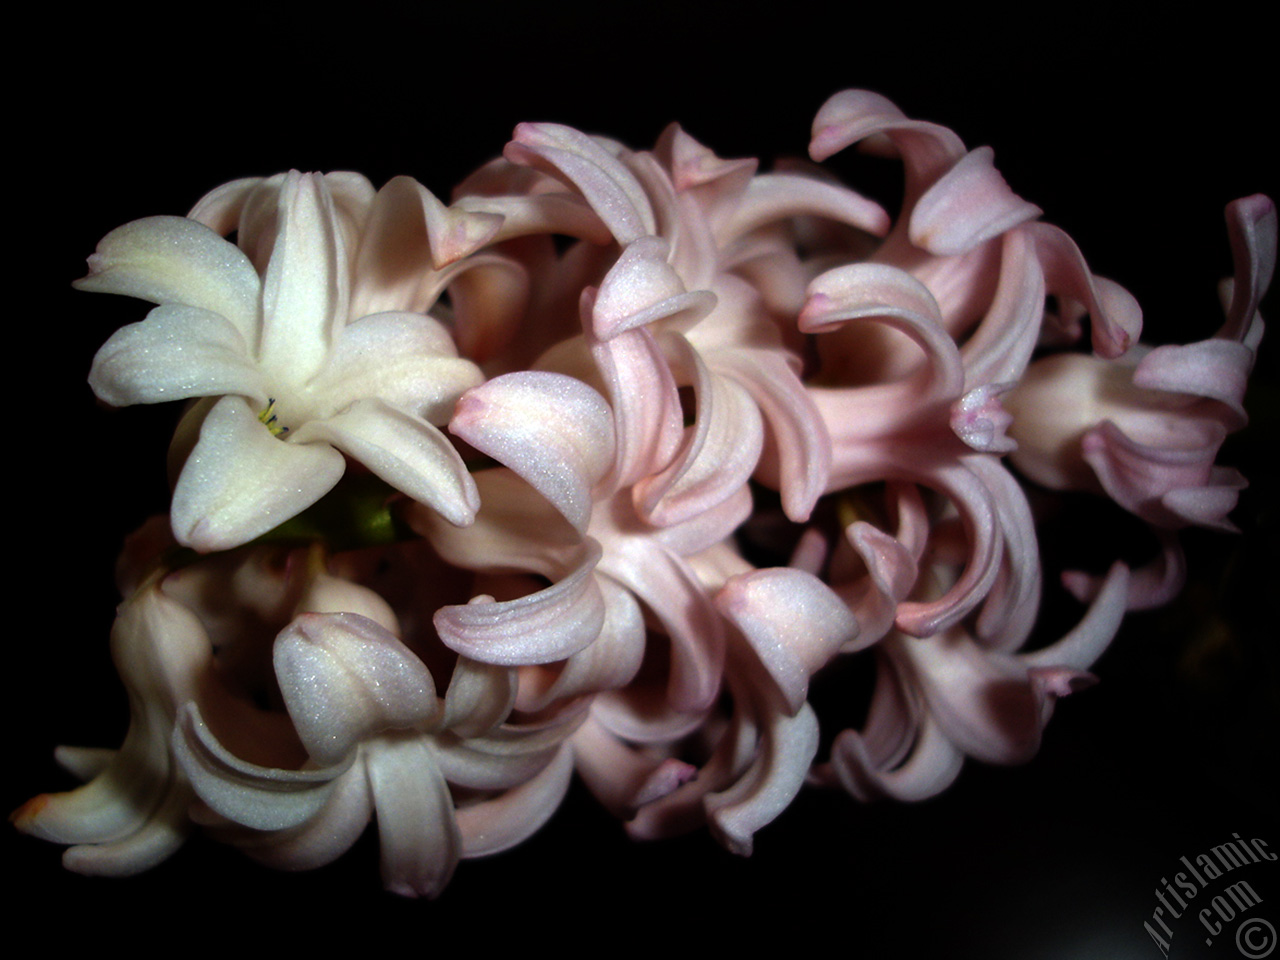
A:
(1251, 228)
(153, 842)
(1115, 314)
(874, 291)
(928, 150)
(160, 649)
(1169, 486)
(967, 206)
(580, 161)
(492, 826)
(258, 797)
(796, 428)
(322, 838)
(344, 677)
(792, 621)
(1085, 643)
(787, 747)
(975, 500)
(1000, 348)
(891, 574)
(609, 663)
(720, 453)
(988, 704)
(175, 260)
(777, 196)
(646, 405)
(553, 430)
(1150, 586)
(676, 597)
(932, 766)
(549, 625)
(480, 697)
(1216, 369)
(642, 288)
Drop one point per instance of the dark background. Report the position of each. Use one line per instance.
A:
(1130, 134)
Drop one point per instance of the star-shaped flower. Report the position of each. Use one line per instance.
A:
(291, 381)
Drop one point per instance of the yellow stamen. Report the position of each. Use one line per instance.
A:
(270, 420)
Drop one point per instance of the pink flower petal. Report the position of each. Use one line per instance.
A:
(967, 206)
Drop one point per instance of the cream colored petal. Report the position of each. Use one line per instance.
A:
(305, 288)
(405, 359)
(175, 260)
(404, 450)
(240, 481)
(344, 677)
(420, 840)
(177, 353)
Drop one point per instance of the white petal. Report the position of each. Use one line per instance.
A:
(239, 481)
(305, 295)
(480, 697)
(177, 353)
(261, 798)
(344, 677)
(405, 359)
(175, 260)
(419, 836)
(404, 450)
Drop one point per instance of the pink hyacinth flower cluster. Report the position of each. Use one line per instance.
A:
(592, 470)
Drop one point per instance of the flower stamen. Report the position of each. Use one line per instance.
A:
(270, 420)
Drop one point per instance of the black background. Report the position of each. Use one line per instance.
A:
(1132, 134)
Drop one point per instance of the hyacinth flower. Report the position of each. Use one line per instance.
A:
(587, 575)
(294, 380)
(132, 811)
(673, 311)
(1144, 429)
(382, 745)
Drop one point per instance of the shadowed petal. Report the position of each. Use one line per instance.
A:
(720, 452)
(420, 840)
(793, 621)
(262, 798)
(499, 824)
